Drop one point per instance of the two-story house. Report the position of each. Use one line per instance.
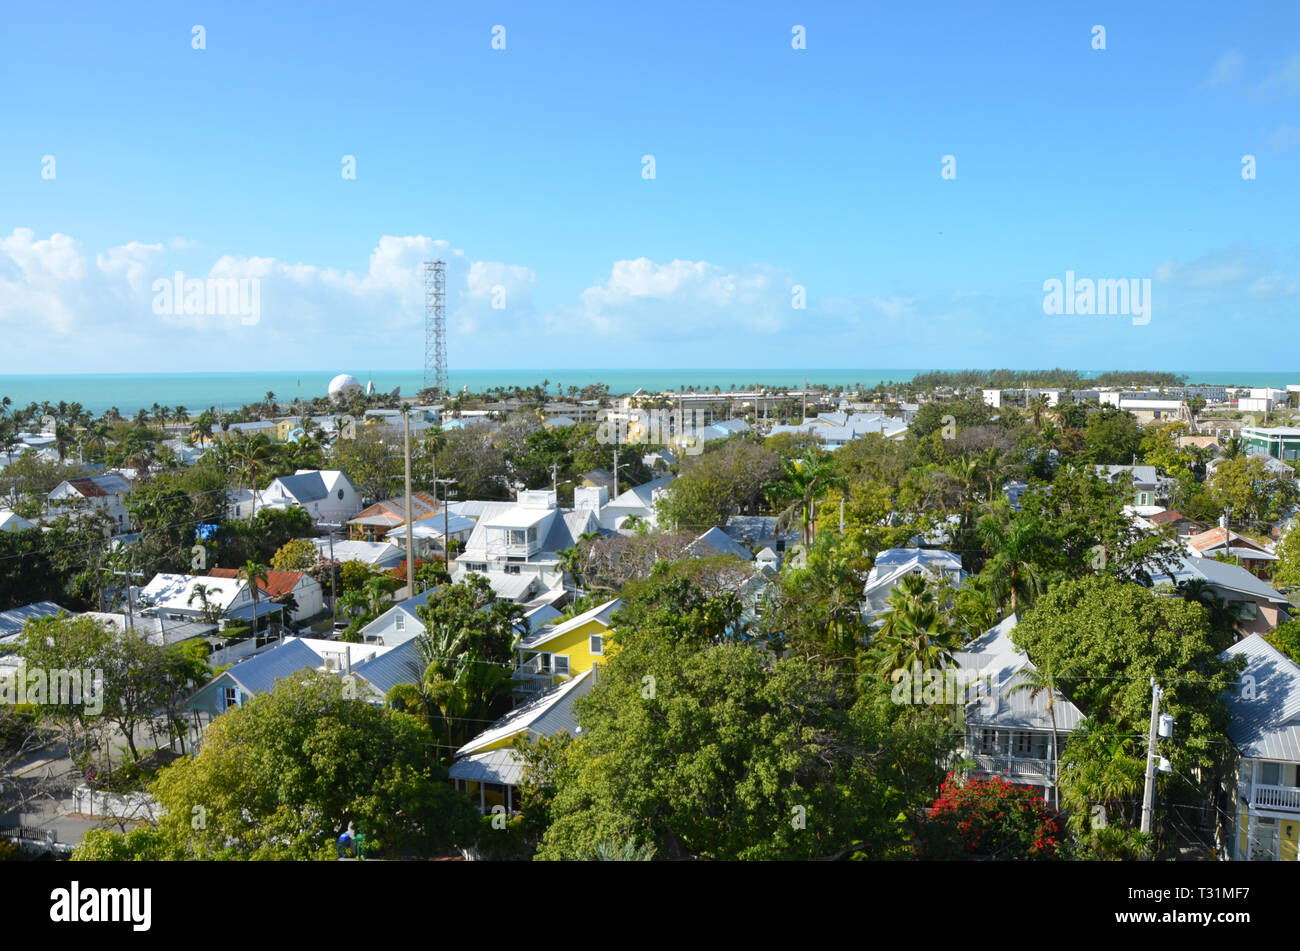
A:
(516, 545)
(102, 493)
(894, 564)
(328, 495)
(1264, 808)
(1009, 727)
(556, 652)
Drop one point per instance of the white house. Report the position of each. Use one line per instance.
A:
(102, 493)
(175, 598)
(523, 539)
(328, 495)
(1008, 728)
(305, 590)
(399, 623)
(376, 554)
(894, 564)
(638, 501)
(9, 522)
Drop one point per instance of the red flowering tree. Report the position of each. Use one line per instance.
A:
(989, 818)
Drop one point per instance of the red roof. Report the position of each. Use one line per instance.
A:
(87, 488)
(277, 585)
(1169, 515)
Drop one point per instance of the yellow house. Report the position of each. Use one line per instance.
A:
(558, 652)
(488, 770)
(1265, 730)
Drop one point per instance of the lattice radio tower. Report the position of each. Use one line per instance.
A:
(435, 329)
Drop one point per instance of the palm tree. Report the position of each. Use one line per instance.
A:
(209, 611)
(1199, 591)
(97, 436)
(62, 440)
(352, 602)
(1011, 570)
(1032, 680)
(253, 455)
(375, 593)
(255, 574)
(804, 481)
(919, 636)
(1038, 408)
(1234, 448)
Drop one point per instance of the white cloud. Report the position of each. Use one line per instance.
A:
(48, 287)
(1284, 80)
(1284, 137)
(642, 298)
(1226, 69)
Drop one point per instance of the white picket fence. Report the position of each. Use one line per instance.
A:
(93, 802)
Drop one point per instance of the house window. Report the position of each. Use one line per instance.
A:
(229, 697)
(989, 741)
(401, 621)
(561, 665)
(597, 645)
(512, 569)
(1244, 610)
(1270, 774)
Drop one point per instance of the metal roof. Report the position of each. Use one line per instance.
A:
(1220, 574)
(994, 656)
(1265, 707)
(602, 613)
(401, 665)
(494, 766)
(12, 621)
(717, 542)
(305, 487)
(259, 673)
(540, 715)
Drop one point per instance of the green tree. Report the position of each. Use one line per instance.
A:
(298, 554)
(1114, 637)
(802, 483)
(1113, 437)
(283, 776)
(718, 752)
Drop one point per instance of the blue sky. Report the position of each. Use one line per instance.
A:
(774, 167)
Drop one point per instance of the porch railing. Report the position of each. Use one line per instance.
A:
(1014, 767)
(1276, 797)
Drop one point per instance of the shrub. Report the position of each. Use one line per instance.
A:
(990, 818)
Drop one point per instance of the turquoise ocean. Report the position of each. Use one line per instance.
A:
(228, 391)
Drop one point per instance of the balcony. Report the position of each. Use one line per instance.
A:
(1015, 768)
(1275, 797)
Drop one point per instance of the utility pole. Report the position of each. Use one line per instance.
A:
(1149, 790)
(410, 556)
(446, 542)
(130, 596)
(334, 599)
